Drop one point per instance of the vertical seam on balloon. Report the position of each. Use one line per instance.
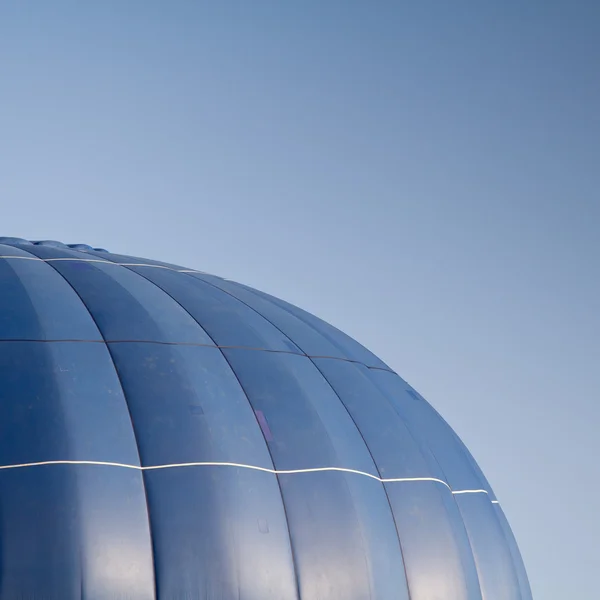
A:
(254, 293)
(143, 478)
(378, 472)
(479, 475)
(515, 555)
(292, 552)
(470, 459)
(341, 402)
(435, 458)
(274, 301)
(32, 306)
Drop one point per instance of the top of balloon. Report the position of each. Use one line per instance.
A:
(53, 243)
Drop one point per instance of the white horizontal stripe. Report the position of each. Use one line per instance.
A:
(106, 262)
(205, 464)
(219, 464)
(242, 466)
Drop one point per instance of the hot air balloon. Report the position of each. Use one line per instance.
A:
(167, 434)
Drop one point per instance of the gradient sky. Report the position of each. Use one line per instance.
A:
(424, 175)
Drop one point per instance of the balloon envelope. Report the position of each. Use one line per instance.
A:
(168, 434)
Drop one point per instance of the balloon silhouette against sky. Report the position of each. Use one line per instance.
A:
(166, 433)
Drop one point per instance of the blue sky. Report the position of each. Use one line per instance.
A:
(423, 175)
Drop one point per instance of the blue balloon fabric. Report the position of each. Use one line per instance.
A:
(166, 434)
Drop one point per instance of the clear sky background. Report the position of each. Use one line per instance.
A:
(424, 175)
